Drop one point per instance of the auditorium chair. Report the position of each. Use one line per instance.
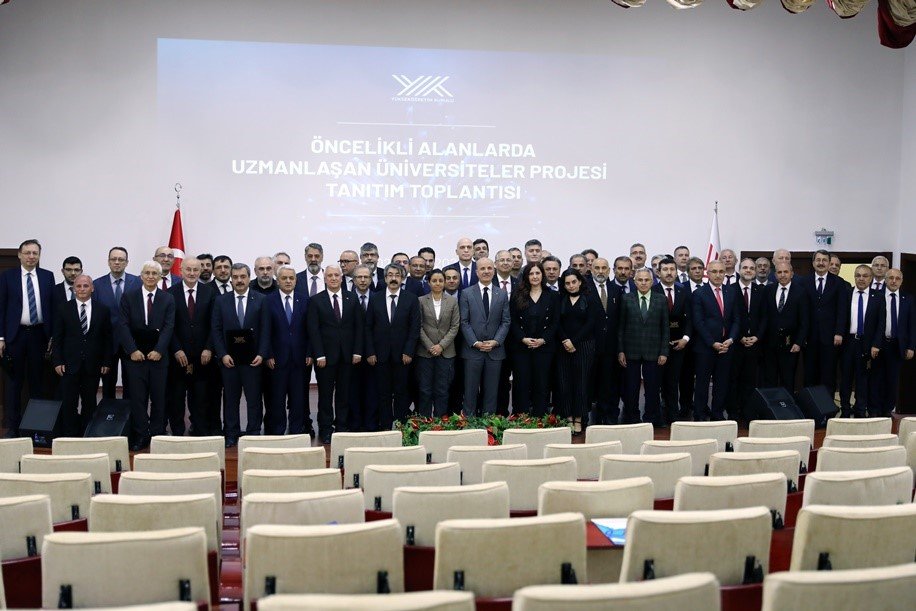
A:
(587, 455)
(11, 450)
(437, 443)
(782, 428)
(281, 459)
(688, 592)
(893, 586)
(724, 432)
(116, 448)
(177, 463)
(537, 439)
(606, 499)
(171, 444)
(733, 544)
(137, 513)
(97, 465)
(471, 458)
(524, 477)
(851, 459)
(749, 463)
(308, 480)
(872, 487)
(851, 537)
(93, 569)
(301, 440)
(699, 449)
(356, 459)
(302, 508)
(798, 443)
(69, 494)
(407, 601)
(328, 559)
(630, 436)
(26, 521)
(906, 426)
(380, 481)
(341, 441)
(152, 483)
(663, 469)
(859, 426)
(910, 445)
(494, 558)
(695, 493)
(861, 441)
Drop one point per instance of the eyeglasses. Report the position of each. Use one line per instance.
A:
(347, 261)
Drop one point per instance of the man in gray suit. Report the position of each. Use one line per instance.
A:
(485, 321)
(642, 340)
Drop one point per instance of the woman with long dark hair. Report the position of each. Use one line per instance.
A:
(578, 322)
(533, 309)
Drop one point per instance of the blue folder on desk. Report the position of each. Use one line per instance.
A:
(615, 529)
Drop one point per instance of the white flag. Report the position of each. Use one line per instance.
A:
(712, 251)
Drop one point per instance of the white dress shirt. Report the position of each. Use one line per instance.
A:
(24, 319)
(187, 292)
(854, 310)
(397, 298)
(779, 288)
(507, 287)
(146, 295)
(887, 301)
(340, 300)
(88, 303)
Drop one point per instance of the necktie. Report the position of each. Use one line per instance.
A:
(719, 301)
(860, 316)
(84, 320)
(362, 302)
(191, 303)
(683, 277)
(33, 304)
(782, 300)
(670, 300)
(820, 286)
(391, 310)
(289, 311)
(225, 288)
(747, 300)
(149, 307)
(893, 315)
(877, 286)
(118, 292)
(70, 298)
(643, 307)
(728, 280)
(313, 289)
(602, 293)
(466, 281)
(486, 302)
(240, 310)
(336, 308)
(504, 283)
(165, 286)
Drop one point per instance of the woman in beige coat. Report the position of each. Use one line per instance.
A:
(439, 323)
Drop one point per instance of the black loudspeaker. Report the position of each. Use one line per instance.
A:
(817, 404)
(775, 404)
(41, 422)
(111, 418)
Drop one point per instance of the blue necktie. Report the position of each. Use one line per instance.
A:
(240, 311)
(118, 292)
(860, 318)
(289, 311)
(466, 281)
(893, 315)
(33, 305)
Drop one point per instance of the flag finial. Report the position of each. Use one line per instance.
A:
(178, 188)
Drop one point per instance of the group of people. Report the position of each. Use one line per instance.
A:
(479, 335)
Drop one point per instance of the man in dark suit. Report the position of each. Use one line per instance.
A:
(623, 275)
(392, 333)
(362, 413)
(677, 300)
(191, 350)
(241, 316)
(264, 281)
(608, 373)
(368, 256)
(288, 356)
(787, 328)
(165, 256)
(746, 365)
(335, 330)
(145, 328)
(109, 289)
(63, 290)
(222, 284)
(864, 316)
(415, 281)
(642, 338)
(696, 278)
(899, 344)
(507, 283)
(26, 316)
(826, 328)
(716, 326)
(465, 265)
(485, 323)
(81, 353)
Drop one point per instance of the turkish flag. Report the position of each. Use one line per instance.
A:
(176, 242)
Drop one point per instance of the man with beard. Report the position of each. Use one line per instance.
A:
(368, 256)
(608, 372)
(677, 298)
(264, 281)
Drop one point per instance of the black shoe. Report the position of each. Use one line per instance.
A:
(11, 434)
(231, 442)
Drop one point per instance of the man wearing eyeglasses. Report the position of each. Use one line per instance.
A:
(348, 262)
(109, 289)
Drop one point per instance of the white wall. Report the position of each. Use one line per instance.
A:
(791, 122)
(907, 207)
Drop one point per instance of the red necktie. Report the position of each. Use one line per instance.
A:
(336, 308)
(747, 301)
(164, 287)
(719, 301)
(191, 303)
(149, 307)
(670, 301)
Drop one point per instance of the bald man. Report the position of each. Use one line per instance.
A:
(465, 265)
(898, 346)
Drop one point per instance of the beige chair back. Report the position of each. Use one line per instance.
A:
(630, 436)
(282, 459)
(786, 462)
(782, 428)
(302, 508)
(906, 426)
(893, 586)
(719, 542)
(26, 520)
(380, 481)
(537, 439)
(420, 509)
(171, 444)
(587, 455)
(86, 561)
(545, 543)
(152, 483)
(408, 601)
(437, 443)
(608, 499)
(859, 426)
(873, 487)
(663, 469)
(96, 465)
(69, 492)
(177, 463)
(910, 445)
(733, 492)
(340, 442)
(724, 432)
(524, 477)
(699, 449)
(851, 459)
(115, 448)
(309, 480)
(471, 458)
(11, 450)
(298, 559)
(861, 441)
(356, 459)
(799, 443)
(846, 537)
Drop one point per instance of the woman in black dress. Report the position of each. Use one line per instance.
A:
(579, 315)
(533, 309)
